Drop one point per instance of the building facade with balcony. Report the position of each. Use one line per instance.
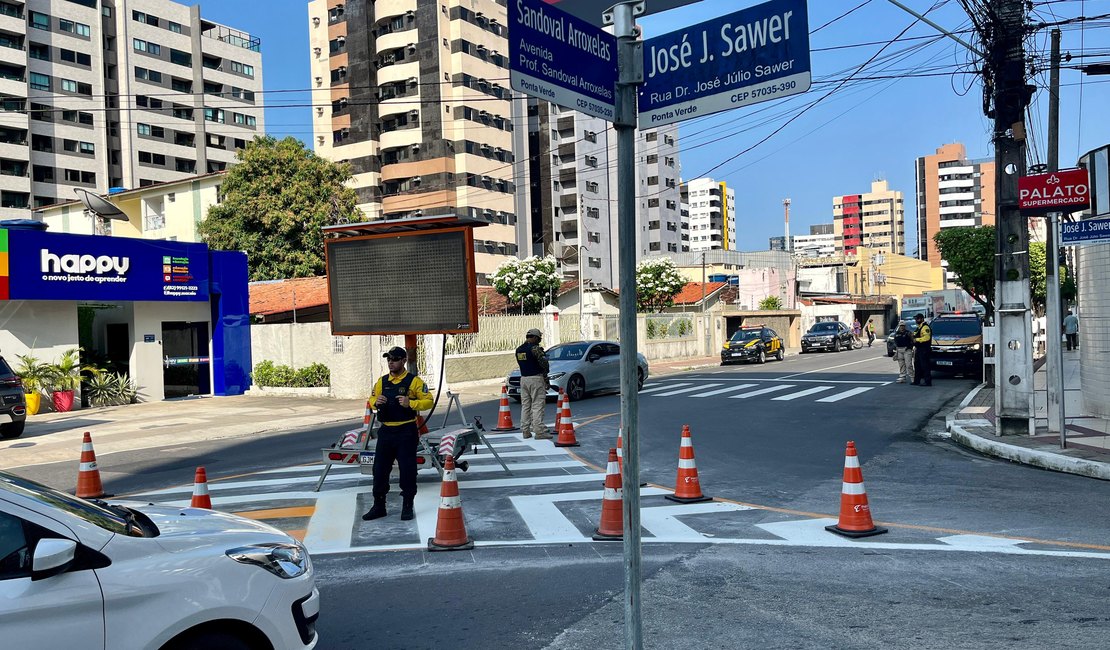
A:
(567, 187)
(124, 93)
(951, 191)
(875, 220)
(414, 96)
(711, 223)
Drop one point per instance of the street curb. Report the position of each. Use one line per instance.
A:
(1044, 460)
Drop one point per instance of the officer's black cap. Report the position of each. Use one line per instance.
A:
(396, 353)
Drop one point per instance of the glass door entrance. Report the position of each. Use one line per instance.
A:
(186, 364)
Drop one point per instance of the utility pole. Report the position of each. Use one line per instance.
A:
(1004, 83)
(786, 212)
(1054, 323)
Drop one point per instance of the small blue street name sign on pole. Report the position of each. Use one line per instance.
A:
(1091, 231)
(562, 59)
(744, 58)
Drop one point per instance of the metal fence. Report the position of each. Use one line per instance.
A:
(668, 326)
(495, 334)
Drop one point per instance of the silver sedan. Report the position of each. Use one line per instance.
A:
(581, 367)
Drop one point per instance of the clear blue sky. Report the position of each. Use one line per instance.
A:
(862, 132)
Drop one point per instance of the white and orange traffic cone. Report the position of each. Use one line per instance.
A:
(611, 527)
(559, 411)
(687, 488)
(367, 418)
(566, 431)
(450, 527)
(88, 474)
(855, 514)
(620, 450)
(421, 425)
(200, 490)
(504, 415)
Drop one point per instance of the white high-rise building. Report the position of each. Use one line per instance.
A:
(118, 93)
(711, 219)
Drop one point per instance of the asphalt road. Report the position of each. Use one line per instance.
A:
(980, 553)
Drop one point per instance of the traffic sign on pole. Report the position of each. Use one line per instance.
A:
(1091, 231)
(744, 58)
(562, 59)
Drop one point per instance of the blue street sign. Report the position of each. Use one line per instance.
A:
(1091, 231)
(562, 59)
(744, 58)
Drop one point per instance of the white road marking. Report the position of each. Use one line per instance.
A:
(762, 391)
(330, 525)
(663, 387)
(810, 372)
(720, 391)
(662, 523)
(686, 390)
(546, 521)
(802, 393)
(846, 394)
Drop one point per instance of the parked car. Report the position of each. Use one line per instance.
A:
(833, 336)
(957, 344)
(87, 574)
(752, 343)
(13, 404)
(582, 367)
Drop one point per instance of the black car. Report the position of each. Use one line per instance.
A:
(957, 344)
(829, 335)
(752, 343)
(13, 406)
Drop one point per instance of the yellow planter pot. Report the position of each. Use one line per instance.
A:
(34, 401)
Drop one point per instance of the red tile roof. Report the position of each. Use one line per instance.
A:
(691, 293)
(278, 296)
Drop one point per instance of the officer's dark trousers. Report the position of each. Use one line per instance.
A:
(921, 372)
(396, 444)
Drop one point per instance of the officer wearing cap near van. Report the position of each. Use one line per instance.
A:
(397, 397)
(533, 385)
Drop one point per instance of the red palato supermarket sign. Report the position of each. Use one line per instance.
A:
(1063, 191)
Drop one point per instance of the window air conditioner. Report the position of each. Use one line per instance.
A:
(412, 81)
(342, 70)
(414, 113)
(315, 21)
(483, 114)
(412, 48)
(410, 14)
(319, 80)
(482, 83)
(416, 180)
(316, 51)
(416, 148)
(485, 147)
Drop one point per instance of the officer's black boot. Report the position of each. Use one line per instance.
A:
(407, 511)
(377, 511)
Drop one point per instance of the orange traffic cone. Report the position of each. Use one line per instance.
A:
(687, 488)
(450, 527)
(855, 514)
(200, 490)
(620, 450)
(88, 474)
(421, 425)
(611, 527)
(504, 415)
(559, 411)
(566, 432)
(367, 418)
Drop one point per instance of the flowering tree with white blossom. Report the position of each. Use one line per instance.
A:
(657, 283)
(530, 282)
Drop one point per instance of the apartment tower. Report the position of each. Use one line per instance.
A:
(951, 191)
(875, 220)
(414, 95)
(118, 93)
(712, 214)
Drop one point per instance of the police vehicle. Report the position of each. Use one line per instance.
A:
(753, 343)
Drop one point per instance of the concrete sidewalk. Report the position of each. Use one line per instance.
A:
(1088, 436)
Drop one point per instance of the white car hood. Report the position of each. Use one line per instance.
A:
(186, 529)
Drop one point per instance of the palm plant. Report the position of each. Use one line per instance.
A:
(34, 373)
(66, 373)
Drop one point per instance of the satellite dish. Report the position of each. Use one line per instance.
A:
(99, 205)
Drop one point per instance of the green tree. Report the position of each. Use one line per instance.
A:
(657, 283)
(1038, 284)
(530, 282)
(770, 303)
(969, 252)
(275, 202)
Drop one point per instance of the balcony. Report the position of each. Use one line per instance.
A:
(230, 36)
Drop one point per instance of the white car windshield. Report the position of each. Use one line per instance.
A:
(87, 510)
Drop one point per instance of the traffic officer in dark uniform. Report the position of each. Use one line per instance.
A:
(397, 397)
(534, 367)
(922, 350)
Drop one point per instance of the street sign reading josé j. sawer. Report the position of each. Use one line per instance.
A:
(744, 58)
(1089, 231)
(1062, 191)
(562, 59)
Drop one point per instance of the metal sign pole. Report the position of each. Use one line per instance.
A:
(1055, 389)
(630, 74)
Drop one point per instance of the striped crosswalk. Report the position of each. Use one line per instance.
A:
(780, 390)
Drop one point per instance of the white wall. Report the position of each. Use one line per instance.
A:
(355, 361)
(42, 328)
(1094, 327)
(844, 313)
